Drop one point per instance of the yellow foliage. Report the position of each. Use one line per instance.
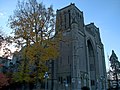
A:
(46, 51)
(35, 27)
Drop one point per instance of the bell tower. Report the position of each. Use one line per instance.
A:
(68, 17)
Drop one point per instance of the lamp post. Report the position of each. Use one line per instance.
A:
(66, 85)
(97, 82)
(73, 82)
(102, 79)
(46, 76)
(84, 78)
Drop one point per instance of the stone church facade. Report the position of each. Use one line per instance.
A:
(81, 61)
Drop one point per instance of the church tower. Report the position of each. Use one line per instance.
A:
(81, 61)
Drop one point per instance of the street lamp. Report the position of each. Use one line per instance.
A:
(66, 85)
(84, 78)
(97, 82)
(46, 76)
(102, 79)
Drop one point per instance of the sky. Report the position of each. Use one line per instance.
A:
(104, 13)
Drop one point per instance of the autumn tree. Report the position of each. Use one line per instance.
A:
(3, 80)
(1, 39)
(5, 42)
(5, 51)
(34, 28)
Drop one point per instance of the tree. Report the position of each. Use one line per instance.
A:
(5, 42)
(1, 39)
(115, 65)
(3, 80)
(34, 28)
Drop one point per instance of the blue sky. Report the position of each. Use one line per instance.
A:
(104, 13)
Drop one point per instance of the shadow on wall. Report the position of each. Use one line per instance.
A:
(85, 88)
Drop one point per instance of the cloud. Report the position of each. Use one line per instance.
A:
(2, 14)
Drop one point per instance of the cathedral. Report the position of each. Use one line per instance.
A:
(81, 61)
